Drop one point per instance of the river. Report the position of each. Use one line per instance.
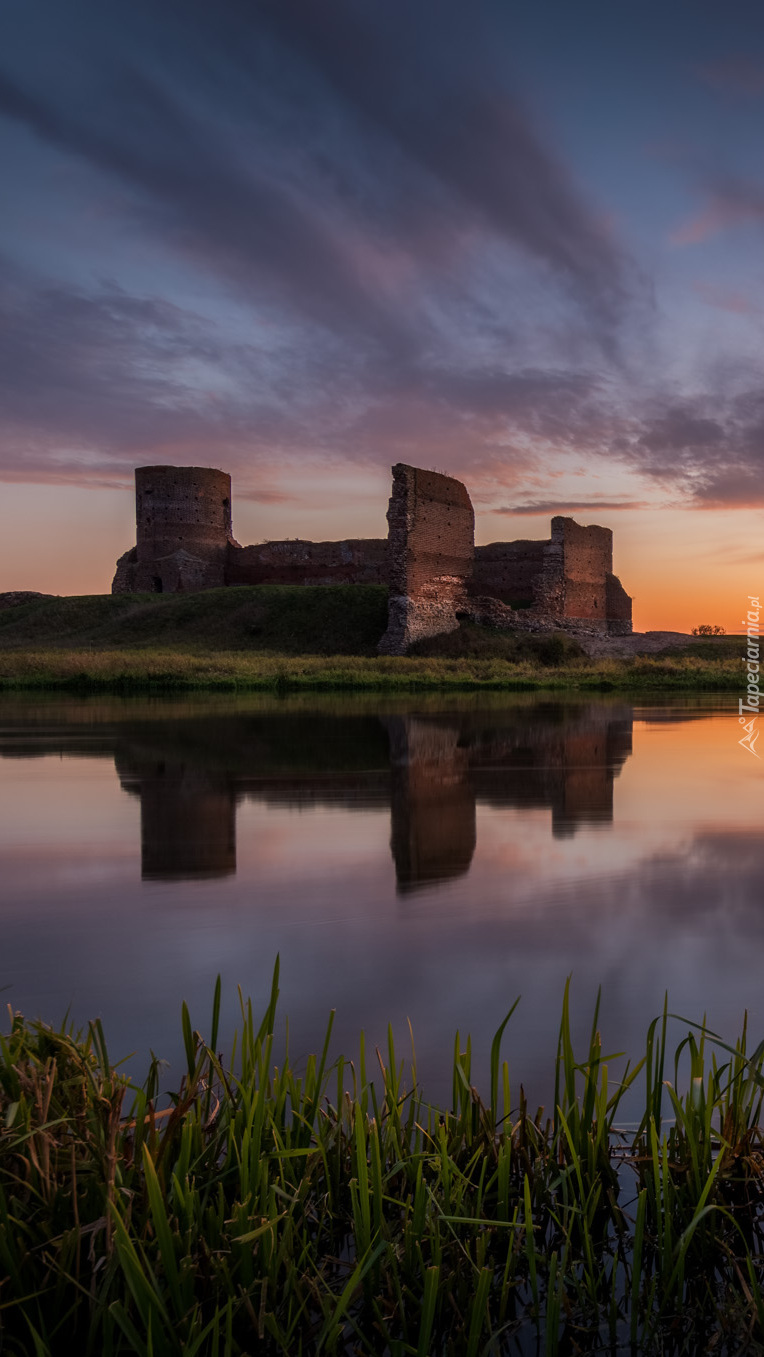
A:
(422, 858)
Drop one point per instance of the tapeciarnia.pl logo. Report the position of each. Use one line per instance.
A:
(749, 705)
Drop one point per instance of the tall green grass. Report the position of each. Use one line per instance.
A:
(331, 1209)
(179, 670)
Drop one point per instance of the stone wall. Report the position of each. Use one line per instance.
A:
(354, 561)
(618, 607)
(508, 571)
(183, 527)
(430, 555)
(178, 573)
(182, 508)
(434, 571)
(568, 578)
(587, 558)
(590, 592)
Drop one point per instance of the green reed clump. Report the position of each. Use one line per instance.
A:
(333, 1210)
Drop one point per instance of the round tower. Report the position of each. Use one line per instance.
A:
(184, 508)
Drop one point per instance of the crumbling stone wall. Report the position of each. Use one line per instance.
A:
(354, 561)
(430, 555)
(578, 583)
(177, 573)
(434, 571)
(508, 571)
(567, 579)
(182, 507)
(185, 542)
(618, 607)
(587, 558)
(183, 522)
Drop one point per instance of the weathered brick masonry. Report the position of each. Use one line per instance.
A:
(431, 545)
(358, 560)
(183, 520)
(568, 578)
(508, 571)
(434, 571)
(577, 563)
(618, 607)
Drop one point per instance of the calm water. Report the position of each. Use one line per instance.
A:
(427, 859)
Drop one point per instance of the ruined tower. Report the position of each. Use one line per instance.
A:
(568, 579)
(431, 545)
(183, 522)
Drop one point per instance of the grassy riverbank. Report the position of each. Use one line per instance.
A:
(286, 638)
(332, 1210)
(173, 669)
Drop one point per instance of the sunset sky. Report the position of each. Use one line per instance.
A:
(304, 239)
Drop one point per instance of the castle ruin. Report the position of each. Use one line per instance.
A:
(435, 574)
(183, 531)
(430, 553)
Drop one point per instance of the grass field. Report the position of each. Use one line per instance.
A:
(291, 638)
(290, 620)
(331, 1209)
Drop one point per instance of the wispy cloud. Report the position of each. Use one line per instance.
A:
(413, 261)
(375, 269)
(317, 206)
(710, 448)
(561, 506)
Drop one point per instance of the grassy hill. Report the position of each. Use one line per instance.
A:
(285, 619)
(294, 637)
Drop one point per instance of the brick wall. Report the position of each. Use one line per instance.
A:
(430, 555)
(185, 543)
(569, 576)
(507, 571)
(618, 607)
(356, 560)
(587, 560)
(184, 508)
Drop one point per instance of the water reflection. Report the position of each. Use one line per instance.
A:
(432, 801)
(431, 769)
(188, 817)
(417, 859)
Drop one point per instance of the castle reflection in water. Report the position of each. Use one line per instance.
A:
(431, 769)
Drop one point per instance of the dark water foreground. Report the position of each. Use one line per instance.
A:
(424, 859)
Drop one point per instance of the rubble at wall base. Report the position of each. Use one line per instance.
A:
(415, 619)
(180, 572)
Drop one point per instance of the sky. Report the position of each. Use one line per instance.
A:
(302, 240)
